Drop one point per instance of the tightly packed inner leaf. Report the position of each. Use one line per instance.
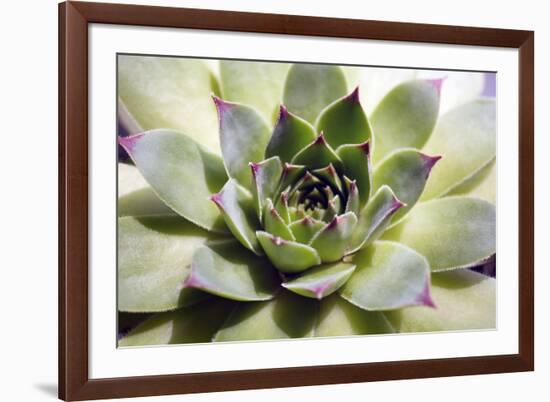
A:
(308, 237)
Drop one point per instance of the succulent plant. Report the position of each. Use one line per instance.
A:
(314, 219)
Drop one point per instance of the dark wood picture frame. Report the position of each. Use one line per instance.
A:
(74, 381)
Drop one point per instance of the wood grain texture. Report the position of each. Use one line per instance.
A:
(74, 382)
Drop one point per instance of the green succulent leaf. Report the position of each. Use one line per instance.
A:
(309, 88)
(332, 241)
(288, 256)
(375, 217)
(154, 258)
(344, 121)
(406, 116)
(170, 93)
(466, 137)
(487, 187)
(321, 281)
(357, 166)
(337, 317)
(254, 83)
(172, 164)
(305, 228)
(406, 172)
(286, 316)
(243, 137)
(282, 207)
(465, 300)
(330, 176)
(292, 174)
(290, 135)
(266, 175)
(485, 176)
(353, 204)
(317, 154)
(274, 224)
(225, 269)
(135, 196)
(237, 207)
(388, 276)
(188, 325)
(451, 232)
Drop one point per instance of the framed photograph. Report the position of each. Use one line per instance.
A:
(260, 200)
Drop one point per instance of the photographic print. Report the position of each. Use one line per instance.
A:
(265, 200)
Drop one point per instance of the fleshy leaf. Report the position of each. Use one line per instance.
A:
(189, 325)
(406, 172)
(290, 135)
(266, 175)
(375, 217)
(353, 203)
(254, 83)
(236, 206)
(487, 188)
(321, 281)
(306, 228)
(406, 116)
(388, 276)
(170, 93)
(291, 176)
(282, 207)
(337, 317)
(331, 242)
(317, 154)
(154, 258)
(288, 256)
(174, 165)
(450, 232)
(357, 166)
(274, 224)
(466, 137)
(309, 88)
(228, 270)
(135, 196)
(243, 137)
(475, 180)
(331, 177)
(286, 316)
(344, 121)
(465, 300)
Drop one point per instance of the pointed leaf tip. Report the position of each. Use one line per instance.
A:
(221, 105)
(129, 142)
(437, 83)
(283, 112)
(354, 95)
(365, 147)
(430, 161)
(192, 282)
(320, 140)
(425, 298)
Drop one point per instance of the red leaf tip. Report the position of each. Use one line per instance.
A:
(320, 140)
(430, 161)
(425, 298)
(254, 167)
(192, 281)
(354, 95)
(365, 147)
(221, 105)
(283, 112)
(396, 204)
(277, 240)
(437, 83)
(129, 142)
(217, 199)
